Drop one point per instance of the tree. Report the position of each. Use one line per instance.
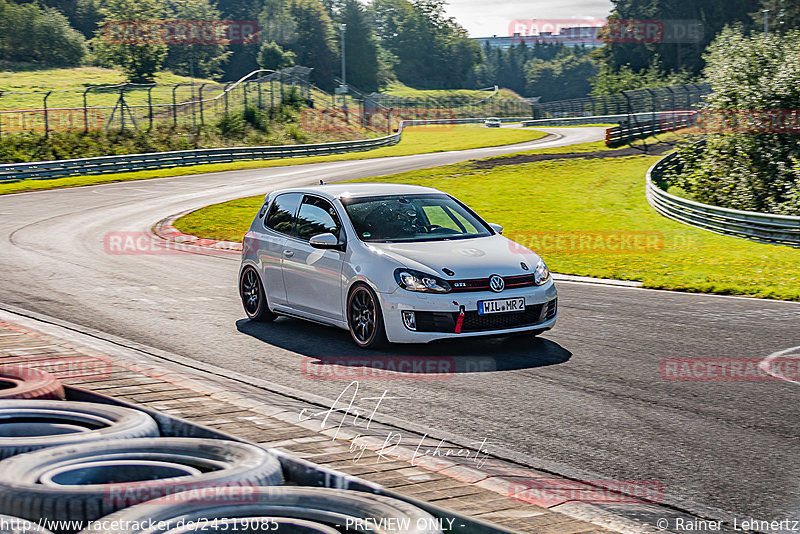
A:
(203, 60)
(40, 35)
(566, 76)
(139, 59)
(751, 160)
(361, 47)
(272, 56)
(784, 15)
(432, 50)
(243, 58)
(686, 56)
(314, 44)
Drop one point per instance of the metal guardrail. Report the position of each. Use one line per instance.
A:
(763, 227)
(643, 125)
(47, 170)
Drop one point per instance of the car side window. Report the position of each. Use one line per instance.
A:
(316, 216)
(281, 214)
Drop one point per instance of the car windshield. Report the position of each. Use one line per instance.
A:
(425, 217)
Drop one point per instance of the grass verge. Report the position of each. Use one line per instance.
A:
(585, 217)
(416, 140)
(68, 86)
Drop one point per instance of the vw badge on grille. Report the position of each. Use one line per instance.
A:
(496, 283)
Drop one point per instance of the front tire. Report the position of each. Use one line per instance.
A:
(364, 318)
(254, 299)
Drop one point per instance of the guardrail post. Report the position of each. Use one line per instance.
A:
(46, 115)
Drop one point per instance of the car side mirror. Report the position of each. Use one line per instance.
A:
(325, 241)
(496, 227)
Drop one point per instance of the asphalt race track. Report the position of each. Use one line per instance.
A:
(588, 395)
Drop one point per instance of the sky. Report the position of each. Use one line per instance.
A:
(484, 18)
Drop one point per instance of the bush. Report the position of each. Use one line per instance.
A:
(29, 33)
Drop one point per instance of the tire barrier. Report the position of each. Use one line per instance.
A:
(341, 509)
(27, 425)
(20, 382)
(84, 482)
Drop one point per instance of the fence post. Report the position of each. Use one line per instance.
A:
(150, 107)
(174, 106)
(200, 93)
(260, 101)
(226, 98)
(85, 112)
(122, 108)
(244, 89)
(1, 119)
(46, 116)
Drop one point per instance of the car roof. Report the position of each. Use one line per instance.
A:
(361, 190)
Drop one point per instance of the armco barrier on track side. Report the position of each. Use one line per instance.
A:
(46, 170)
(764, 227)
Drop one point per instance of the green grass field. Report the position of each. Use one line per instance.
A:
(68, 86)
(585, 217)
(415, 140)
(404, 91)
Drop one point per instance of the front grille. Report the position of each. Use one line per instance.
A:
(473, 322)
(482, 284)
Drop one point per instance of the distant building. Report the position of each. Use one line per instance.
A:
(572, 36)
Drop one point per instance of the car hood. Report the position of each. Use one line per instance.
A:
(467, 258)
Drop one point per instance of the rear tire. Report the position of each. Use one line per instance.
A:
(254, 299)
(364, 318)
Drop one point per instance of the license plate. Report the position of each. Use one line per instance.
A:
(487, 307)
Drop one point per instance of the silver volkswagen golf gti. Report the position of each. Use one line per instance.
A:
(398, 263)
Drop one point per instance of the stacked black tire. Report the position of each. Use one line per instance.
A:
(74, 463)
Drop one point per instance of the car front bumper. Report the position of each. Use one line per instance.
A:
(436, 315)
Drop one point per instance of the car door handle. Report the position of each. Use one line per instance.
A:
(288, 253)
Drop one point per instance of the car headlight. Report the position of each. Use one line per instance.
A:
(418, 281)
(541, 274)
